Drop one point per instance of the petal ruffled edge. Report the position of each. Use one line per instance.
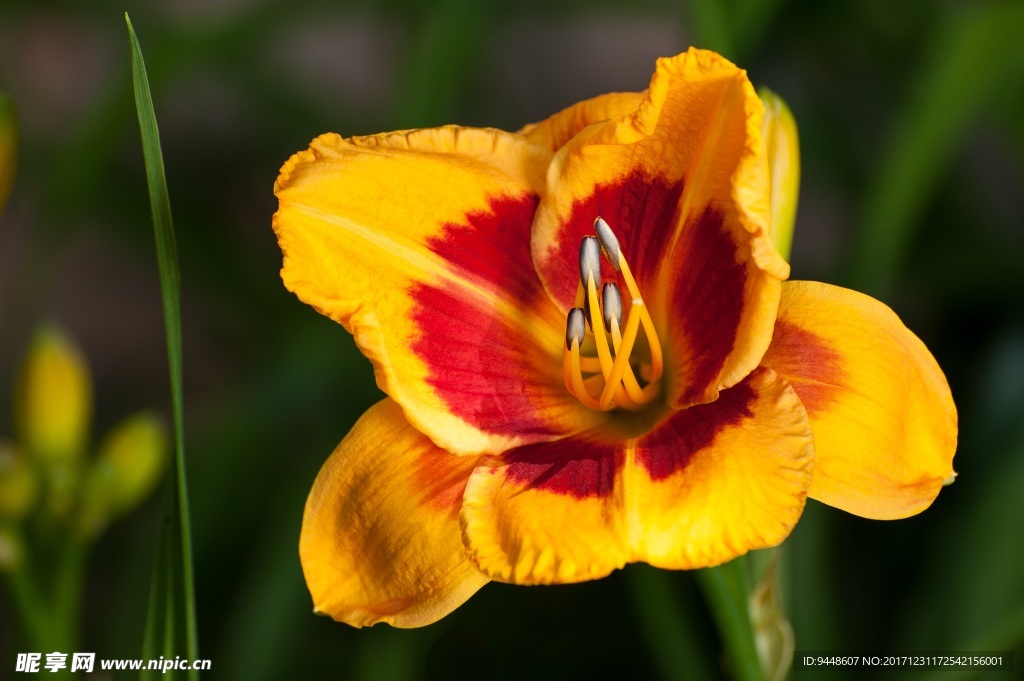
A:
(555, 131)
(380, 537)
(709, 483)
(418, 243)
(683, 180)
(883, 417)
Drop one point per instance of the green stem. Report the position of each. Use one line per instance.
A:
(671, 636)
(28, 605)
(67, 593)
(727, 590)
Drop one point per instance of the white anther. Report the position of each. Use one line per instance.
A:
(574, 328)
(609, 242)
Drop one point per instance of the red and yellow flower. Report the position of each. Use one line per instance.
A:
(590, 353)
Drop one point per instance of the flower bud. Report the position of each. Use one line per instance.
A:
(8, 147)
(773, 634)
(53, 403)
(19, 486)
(779, 131)
(131, 460)
(12, 549)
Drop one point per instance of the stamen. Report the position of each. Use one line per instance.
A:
(610, 245)
(576, 378)
(597, 325)
(629, 382)
(611, 373)
(575, 332)
(611, 304)
(614, 377)
(590, 260)
(609, 242)
(574, 328)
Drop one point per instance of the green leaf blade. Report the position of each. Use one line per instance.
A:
(172, 596)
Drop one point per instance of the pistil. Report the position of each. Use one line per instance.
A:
(612, 370)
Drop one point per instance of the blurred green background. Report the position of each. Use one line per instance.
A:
(912, 130)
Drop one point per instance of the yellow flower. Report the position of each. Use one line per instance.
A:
(686, 425)
(130, 463)
(53, 404)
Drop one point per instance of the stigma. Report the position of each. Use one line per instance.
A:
(618, 371)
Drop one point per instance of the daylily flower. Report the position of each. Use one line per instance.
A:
(589, 353)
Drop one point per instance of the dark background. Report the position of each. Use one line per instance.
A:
(912, 131)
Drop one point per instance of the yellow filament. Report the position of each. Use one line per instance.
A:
(567, 369)
(603, 351)
(657, 363)
(579, 389)
(611, 371)
(622, 373)
(622, 351)
(616, 337)
(622, 398)
(597, 324)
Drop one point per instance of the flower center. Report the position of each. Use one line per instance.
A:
(609, 379)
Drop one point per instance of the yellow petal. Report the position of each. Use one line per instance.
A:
(884, 422)
(380, 536)
(418, 242)
(725, 478)
(707, 484)
(555, 131)
(549, 513)
(684, 183)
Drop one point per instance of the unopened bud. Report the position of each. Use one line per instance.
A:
(53, 404)
(780, 135)
(19, 486)
(130, 462)
(773, 634)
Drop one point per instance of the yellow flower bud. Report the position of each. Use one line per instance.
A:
(12, 549)
(19, 486)
(131, 460)
(53, 404)
(8, 147)
(779, 131)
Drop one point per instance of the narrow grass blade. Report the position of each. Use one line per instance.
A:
(173, 590)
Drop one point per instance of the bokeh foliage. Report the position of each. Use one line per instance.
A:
(912, 138)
